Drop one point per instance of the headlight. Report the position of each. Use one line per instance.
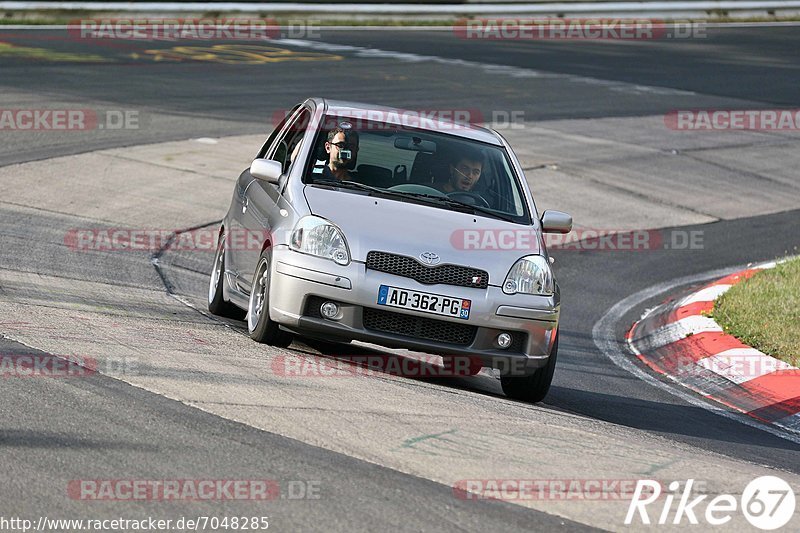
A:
(530, 275)
(316, 236)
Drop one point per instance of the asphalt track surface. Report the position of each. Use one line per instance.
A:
(56, 430)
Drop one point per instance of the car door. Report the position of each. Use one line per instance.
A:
(236, 257)
(261, 203)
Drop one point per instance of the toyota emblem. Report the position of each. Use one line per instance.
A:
(429, 258)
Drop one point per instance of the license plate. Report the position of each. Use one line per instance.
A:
(423, 301)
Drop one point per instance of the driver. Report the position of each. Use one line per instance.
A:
(342, 148)
(465, 171)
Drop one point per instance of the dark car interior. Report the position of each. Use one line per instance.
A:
(428, 167)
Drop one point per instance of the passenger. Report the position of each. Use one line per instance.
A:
(342, 149)
(465, 171)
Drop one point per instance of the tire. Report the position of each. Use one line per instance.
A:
(532, 388)
(261, 328)
(216, 300)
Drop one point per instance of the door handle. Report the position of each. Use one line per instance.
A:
(244, 205)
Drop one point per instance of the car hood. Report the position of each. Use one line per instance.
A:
(405, 228)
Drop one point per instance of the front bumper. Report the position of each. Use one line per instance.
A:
(299, 280)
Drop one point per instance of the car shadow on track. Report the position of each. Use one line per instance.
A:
(668, 419)
(415, 367)
(668, 416)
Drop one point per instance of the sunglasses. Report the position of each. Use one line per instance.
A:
(342, 144)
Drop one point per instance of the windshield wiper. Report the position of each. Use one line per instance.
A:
(416, 195)
(347, 184)
(455, 203)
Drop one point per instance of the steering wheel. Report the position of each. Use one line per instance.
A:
(467, 197)
(416, 188)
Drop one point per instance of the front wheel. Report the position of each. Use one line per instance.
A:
(261, 327)
(535, 387)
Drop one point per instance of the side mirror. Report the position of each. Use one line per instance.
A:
(266, 169)
(556, 222)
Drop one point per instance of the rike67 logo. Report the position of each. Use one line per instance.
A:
(767, 503)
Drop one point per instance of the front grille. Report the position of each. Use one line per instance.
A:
(408, 267)
(419, 327)
(313, 303)
(518, 342)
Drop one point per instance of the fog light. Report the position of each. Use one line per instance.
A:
(329, 310)
(510, 287)
(504, 340)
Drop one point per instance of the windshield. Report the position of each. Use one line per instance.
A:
(405, 164)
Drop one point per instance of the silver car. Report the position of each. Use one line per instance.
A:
(397, 228)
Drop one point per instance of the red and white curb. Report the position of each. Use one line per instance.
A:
(678, 340)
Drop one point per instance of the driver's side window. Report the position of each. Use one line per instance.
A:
(265, 148)
(281, 154)
(287, 145)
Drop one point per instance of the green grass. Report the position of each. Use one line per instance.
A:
(764, 311)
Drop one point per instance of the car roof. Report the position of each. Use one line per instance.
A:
(392, 115)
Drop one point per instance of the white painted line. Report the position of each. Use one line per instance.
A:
(708, 294)
(393, 27)
(490, 68)
(320, 24)
(737, 365)
(791, 422)
(676, 331)
(771, 264)
(763, 24)
(742, 364)
(437, 9)
(604, 336)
